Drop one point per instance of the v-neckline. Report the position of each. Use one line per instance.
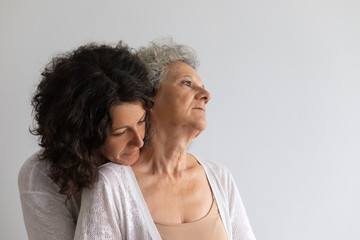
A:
(145, 210)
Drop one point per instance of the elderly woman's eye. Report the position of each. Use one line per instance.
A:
(187, 83)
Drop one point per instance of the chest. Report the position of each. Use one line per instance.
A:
(182, 200)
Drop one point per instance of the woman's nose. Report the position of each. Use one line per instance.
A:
(204, 95)
(137, 139)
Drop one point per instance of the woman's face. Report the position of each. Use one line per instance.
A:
(127, 134)
(181, 99)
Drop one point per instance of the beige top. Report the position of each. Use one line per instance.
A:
(117, 196)
(209, 227)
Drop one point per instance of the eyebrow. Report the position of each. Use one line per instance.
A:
(143, 116)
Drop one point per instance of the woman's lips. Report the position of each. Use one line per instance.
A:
(132, 153)
(199, 108)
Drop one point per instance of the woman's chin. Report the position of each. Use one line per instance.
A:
(201, 125)
(128, 159)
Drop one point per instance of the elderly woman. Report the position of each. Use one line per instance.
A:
(90, 109)
(168, 193)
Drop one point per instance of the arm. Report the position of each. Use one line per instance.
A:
(46, 215)
(98, 217)
(240, 224)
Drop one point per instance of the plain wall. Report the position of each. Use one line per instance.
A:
(285, 109)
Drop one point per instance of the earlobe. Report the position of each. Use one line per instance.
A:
(151, 103)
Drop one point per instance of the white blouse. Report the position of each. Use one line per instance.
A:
(45, 214)
(115, 208)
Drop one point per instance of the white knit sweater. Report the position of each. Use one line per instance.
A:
(116, 209)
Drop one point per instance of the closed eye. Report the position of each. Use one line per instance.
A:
(141, 122)
(119, 133)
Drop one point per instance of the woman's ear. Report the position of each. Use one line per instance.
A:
(152, 102)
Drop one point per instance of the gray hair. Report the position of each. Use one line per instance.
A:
(162, 52)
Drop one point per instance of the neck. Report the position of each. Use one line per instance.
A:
(167, 151)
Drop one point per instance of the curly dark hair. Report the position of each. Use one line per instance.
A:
(72, 106)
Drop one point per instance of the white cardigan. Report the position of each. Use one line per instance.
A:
(115, 208)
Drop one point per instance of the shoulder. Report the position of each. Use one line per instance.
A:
(112, 170)
(218, 175)
(214, 168)
(113, 175)
(111, 188)
(33, 175)
(31, 164)
(38, 193)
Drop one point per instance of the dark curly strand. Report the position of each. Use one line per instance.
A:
(72, 108)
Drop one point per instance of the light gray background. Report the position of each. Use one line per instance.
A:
(285, 111)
